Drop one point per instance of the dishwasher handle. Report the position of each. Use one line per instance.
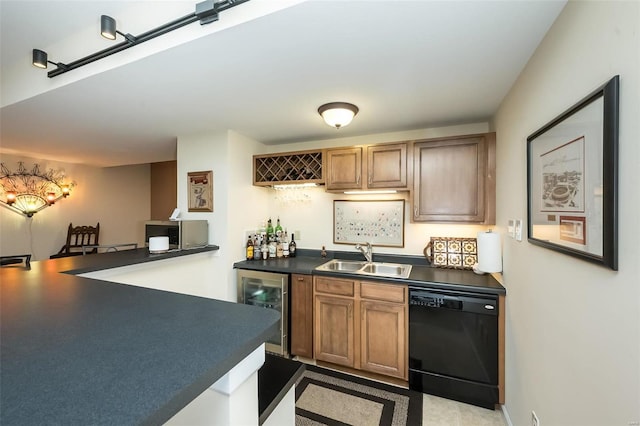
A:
(478, 305)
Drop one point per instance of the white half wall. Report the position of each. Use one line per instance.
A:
(573, 328)
(236, 203)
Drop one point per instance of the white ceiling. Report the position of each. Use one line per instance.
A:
(406, 64)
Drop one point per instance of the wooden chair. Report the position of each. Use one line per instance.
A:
(78, 236)
(18, 260)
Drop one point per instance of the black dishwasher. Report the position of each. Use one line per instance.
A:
(453, 345)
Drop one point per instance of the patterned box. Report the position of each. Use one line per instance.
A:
(448, 252)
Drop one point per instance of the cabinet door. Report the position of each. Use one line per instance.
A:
(387, 166)
(344, 168)
(334, 330)
(383, 338)
(453, 180)
(302, 315)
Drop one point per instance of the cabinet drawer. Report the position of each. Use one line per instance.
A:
(386, 292)
(335, 286)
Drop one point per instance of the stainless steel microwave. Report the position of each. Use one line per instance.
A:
(183, 234)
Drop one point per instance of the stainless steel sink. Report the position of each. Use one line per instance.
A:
(336, 265)
(376, 269)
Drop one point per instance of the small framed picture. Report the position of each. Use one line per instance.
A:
(200, 190)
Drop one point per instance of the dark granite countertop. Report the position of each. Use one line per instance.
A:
(76, 350)
(422, 274)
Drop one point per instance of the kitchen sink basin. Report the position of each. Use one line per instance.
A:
(375, 269)
(343, 266)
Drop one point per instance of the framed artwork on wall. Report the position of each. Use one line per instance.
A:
(572, 175)
(380, 223)
(200, 191)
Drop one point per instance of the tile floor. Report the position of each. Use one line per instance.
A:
(445, 412)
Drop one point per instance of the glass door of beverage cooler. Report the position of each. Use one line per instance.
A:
(270, 291)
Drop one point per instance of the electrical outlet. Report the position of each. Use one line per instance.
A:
(534, 419)
(297, 234)
(518, 229)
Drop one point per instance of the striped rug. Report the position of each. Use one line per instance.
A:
(326, 397)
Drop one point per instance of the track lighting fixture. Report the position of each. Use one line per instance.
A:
(206, 12)
(40, 60)
(108, 29)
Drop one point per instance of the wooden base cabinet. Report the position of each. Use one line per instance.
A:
(301, 315)
(361, 325)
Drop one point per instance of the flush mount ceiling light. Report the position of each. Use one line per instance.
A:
(338, 114)
(206, 12)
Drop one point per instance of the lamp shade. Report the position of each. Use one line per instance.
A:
(338, 114)
(108, 27)
(39, 58)
(489, 252)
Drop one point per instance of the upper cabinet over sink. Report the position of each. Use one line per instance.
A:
(384, 166)
(454, 179)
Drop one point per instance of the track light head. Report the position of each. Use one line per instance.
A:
(108, 27)
(39, 58)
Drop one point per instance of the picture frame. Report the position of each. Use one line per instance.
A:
(200, 191)
(572, 177)
(379, 222)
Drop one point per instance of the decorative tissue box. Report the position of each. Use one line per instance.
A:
(448, 252)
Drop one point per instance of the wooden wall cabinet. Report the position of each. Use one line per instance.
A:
(362, 325)
(382, 166)
(454, 179)
(301, 315)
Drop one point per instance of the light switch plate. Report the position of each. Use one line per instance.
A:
(518, 229)
(511, 228)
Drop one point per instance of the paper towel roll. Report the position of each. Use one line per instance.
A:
(489, 253)
(158, 244)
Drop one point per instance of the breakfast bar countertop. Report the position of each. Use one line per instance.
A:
(76, 350)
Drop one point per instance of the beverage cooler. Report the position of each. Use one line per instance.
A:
(270, 291)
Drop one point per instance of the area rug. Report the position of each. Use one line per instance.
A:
(326, 397)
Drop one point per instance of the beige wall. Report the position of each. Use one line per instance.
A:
(117, 197)
(573, 328)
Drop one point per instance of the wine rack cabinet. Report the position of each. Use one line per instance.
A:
(288, 167)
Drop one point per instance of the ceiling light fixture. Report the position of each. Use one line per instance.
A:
(338, 114)
(40, 60)
(206, 12)
(108, 29)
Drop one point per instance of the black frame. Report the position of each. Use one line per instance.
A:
(609, 92)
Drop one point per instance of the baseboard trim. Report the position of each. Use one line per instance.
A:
(506, 415)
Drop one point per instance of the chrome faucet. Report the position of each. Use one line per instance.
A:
(367, 252)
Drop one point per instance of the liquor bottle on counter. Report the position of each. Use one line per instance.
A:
(256, 248)
(269, 229)
(279, 252)
(292, 246)
(285, 244)
(278, 229)
(249, 248)
(264, 249)
(272, 247)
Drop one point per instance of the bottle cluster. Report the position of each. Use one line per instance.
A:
(270, 243)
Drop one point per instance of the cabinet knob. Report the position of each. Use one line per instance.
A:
(369, 181)
(415, 211)
(358, 180)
